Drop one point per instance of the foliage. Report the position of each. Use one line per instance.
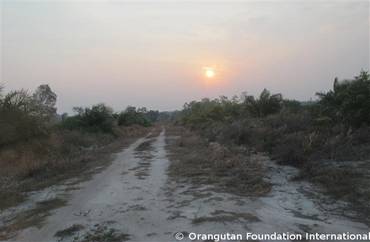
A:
(152, 116)
(98, 118)
(292, 106)
(45, 99)
(24, 116)
(348, 102)
(133, 116)
(293, 132)
(205, 111)
(265, 105)
(17, 100)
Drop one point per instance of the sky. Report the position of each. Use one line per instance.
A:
(155, 53)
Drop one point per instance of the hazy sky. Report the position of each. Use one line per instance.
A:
(153, 53)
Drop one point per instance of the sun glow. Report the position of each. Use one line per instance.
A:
(209, 72)
(213, 75)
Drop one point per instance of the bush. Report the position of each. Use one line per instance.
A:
(201, 114)
(292, 131)
(348, 102)
(98, 118)
(265, 105)
(24, 116)
(290, 149)
(131, 116)
(17, 126)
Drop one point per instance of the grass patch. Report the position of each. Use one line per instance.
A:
(105, 234)
(229, 169)
(70, 231)
(9, 198)
(42, 163)
(348, 181)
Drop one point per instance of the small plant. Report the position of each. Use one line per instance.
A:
(104, 234)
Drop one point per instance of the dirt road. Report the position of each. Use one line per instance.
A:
(135, 200)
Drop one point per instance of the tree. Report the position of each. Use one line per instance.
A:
(18, 122)
(266, 104)
(152, 116)
(98, 118)
(44, 101)
(348, 102)
(17, 100)
(1, 93)
(133, 116)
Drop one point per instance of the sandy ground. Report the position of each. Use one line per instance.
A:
(135, 200)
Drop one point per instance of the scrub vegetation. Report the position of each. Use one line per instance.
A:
(328, 139)
(38, 147)
(228, 169)
(220, 142)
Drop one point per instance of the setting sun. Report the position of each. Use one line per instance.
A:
(209, 72)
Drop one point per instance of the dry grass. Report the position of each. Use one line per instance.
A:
(333, 157)
(64, 154)
(229, 169)
(155, 131)
(348, 181)
(69, 231)
(104, 234)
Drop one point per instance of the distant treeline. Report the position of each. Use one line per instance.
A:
(25, 115)
(101, 118)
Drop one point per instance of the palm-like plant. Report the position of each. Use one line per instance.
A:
(265, 105)
(348, 102)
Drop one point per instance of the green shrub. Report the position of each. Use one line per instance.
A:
(290, 149)
(24, 116)
(335, 127)
(98, 118)
(348, 102)
(132, 116)
(17, 126)
(265, 105)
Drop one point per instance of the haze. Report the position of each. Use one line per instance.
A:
(153, 53)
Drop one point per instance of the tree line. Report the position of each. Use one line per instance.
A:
(293, 131)
(25, 115)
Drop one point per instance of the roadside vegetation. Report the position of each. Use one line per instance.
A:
(227, 168)
(39, 147)
(328, 139)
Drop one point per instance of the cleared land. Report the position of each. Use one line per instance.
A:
(144, 194)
